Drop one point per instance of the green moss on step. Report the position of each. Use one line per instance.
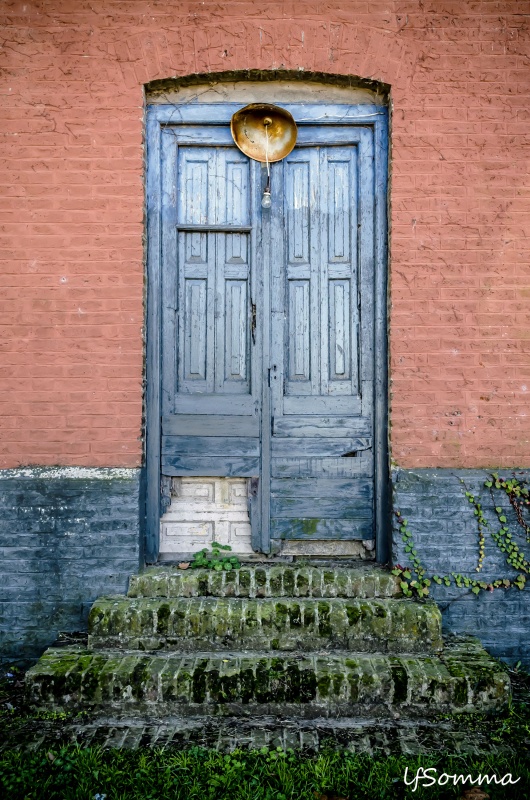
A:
(262, 690)
(308, 685)
(247, 685)
(324, 626)
(281, 615)
(244, 581)
(309, 617)
(260, 576)
(460, 692)
(400, 681)
(198, 686)
(163, 614)
(295, 616)
(139, 678)
(353, 613)
(275, 581)
(302, 584)
(323, 686)
(337, 682)
(288, 582)
(292, 684)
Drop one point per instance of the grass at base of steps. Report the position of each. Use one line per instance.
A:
(76, 774)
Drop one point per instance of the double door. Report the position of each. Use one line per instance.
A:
(267, 325)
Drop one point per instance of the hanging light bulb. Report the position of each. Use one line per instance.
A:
(266, 199)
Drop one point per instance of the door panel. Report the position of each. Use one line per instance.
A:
(321, 407)
(211, 394)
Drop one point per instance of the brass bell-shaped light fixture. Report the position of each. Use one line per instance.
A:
(265, 133)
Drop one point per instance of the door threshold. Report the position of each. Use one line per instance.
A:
(176, 558)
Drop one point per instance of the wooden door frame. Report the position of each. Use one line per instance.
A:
(160, 117)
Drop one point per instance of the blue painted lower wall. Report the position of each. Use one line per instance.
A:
(67, 535)
(444, 530)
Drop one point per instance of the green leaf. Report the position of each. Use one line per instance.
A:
(475, 590)
(502, 519)
(407, 574)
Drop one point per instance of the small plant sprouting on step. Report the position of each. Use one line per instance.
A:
(214, 559)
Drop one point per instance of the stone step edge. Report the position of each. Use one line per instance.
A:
(250, 683)
(369, 736)
(283, 624)
(269, 581)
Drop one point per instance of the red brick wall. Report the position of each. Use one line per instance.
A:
(72, 197)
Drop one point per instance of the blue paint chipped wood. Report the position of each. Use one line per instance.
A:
(267, 329)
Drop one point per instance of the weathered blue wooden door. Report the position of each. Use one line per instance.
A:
(266, 326)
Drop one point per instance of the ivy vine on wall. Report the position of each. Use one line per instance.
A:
(413, 579)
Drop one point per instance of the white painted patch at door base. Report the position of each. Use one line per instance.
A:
(206, 510)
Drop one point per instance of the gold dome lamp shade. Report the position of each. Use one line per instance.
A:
(265, 133)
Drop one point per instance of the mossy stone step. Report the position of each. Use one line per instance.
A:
(282, 580)
(193, 624)
(376, 737)
(463, 679)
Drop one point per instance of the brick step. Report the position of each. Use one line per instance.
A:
(463, 679)
(282, 580)
(194, 624)
(403, 736)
